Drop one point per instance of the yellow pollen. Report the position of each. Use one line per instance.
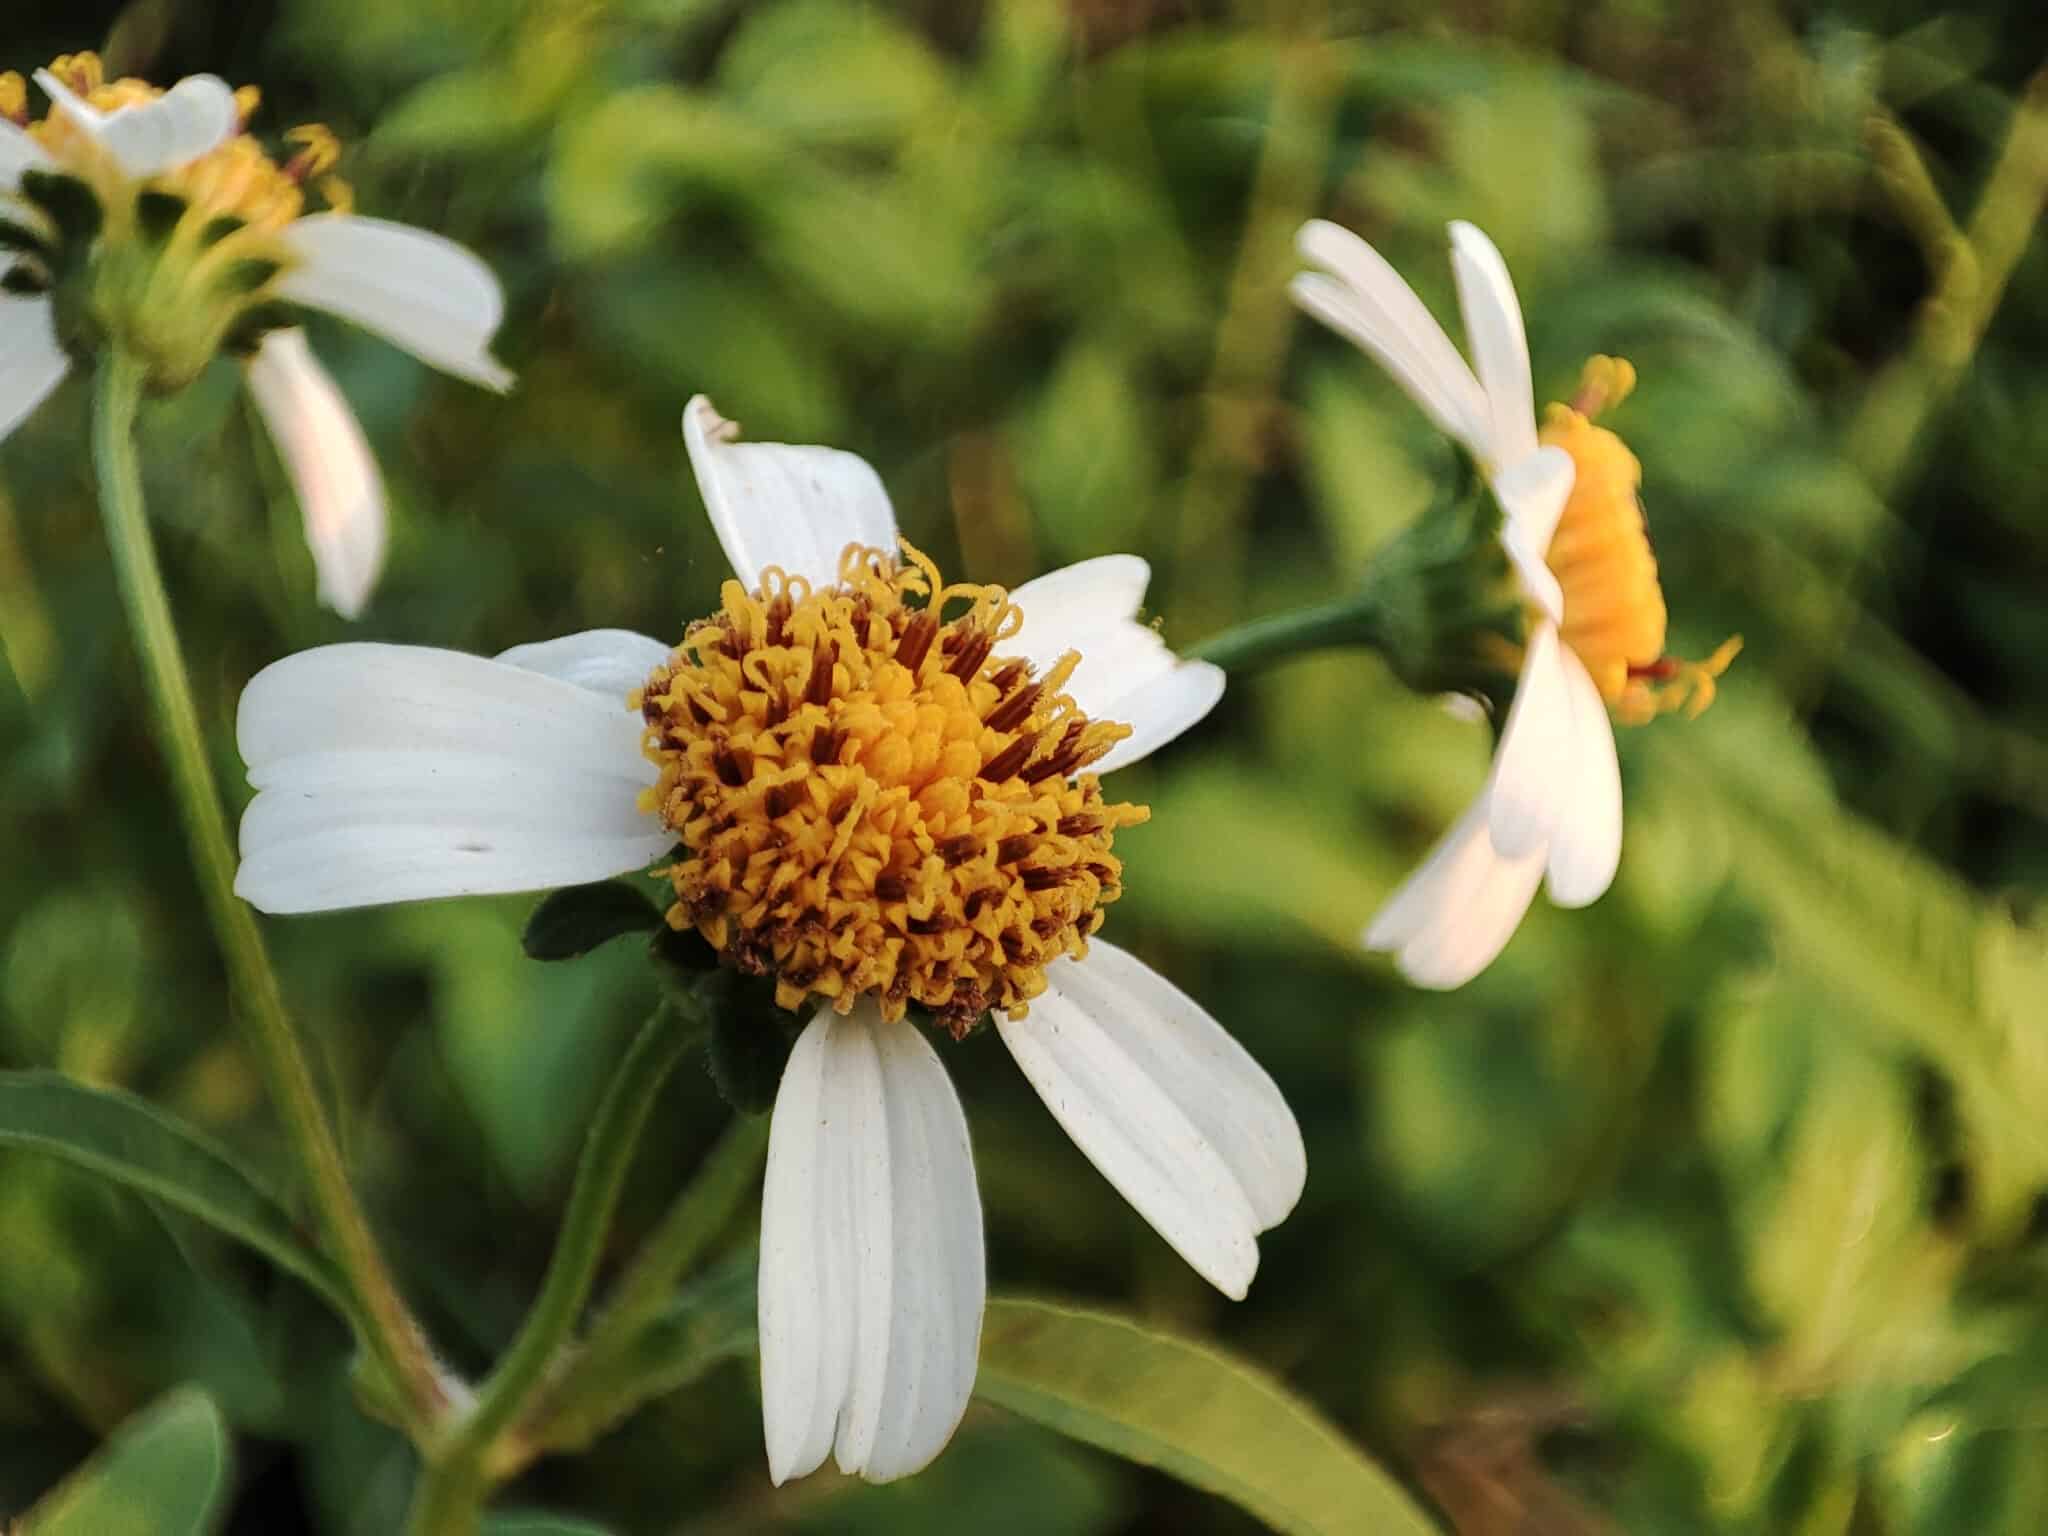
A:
(235, 179)
(1614, 614)
(872, 800)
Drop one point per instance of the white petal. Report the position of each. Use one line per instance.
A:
(934, 1319)
(1585, 846)
(420, 292)
(1533, 767)
(868, 1161)
(803, 1302)
(397, 773)
(1127, 1124)
(1455, 914)
(792, 506)
(332, 469)
(1500, 350)
(194, 116)
(19, 152)
(1532, 492)
(1213, 1079)
(612, 662)
(1366, 300)
(1126, 673)
(1159, 711)
(31, 362)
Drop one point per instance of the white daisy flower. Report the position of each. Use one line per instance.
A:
(878, 789)
(154, 214)
(1572, 527)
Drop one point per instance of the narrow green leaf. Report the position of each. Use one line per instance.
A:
(135, 1144)
(577, 919)
(1188, 1410)
(164, 1473)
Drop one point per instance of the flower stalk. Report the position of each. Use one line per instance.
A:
(387, 1330)
(462, 1468)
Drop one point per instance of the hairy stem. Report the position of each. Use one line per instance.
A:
(1258, 643)
(387, 1330)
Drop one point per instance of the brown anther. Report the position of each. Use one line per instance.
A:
(972, 652)
(1006, 763)
(823, 659)
(916, 641)
(891, 887)
(954, 851)
(1011, 849)
(1014, 710)
(730, 773)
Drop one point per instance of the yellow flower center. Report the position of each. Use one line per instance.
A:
(236, 179)
(1614, 614)
(872, 800)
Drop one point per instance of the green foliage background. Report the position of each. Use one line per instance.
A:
(1720, 1207)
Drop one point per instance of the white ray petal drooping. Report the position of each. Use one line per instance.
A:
(872, 1273)
(1573, 530)
(420, 292)
(784, 506)
(1167, 1106)
(341, 495)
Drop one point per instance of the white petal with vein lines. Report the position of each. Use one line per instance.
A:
(795, 506)
(1500, 349)
(1214, 1080)
(31, 362)
(1450, 919)
(397, 773)
(1128, 1125)
(612, 662)
(1538, 750)
(1365, 299)
(1127, 672)
(871, 1280)
(1585, 846)
(425, 294)
(341, 496)
(196, 115)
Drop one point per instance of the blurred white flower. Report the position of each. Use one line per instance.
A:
(153, 215)
(879, 805)
(1572, 527)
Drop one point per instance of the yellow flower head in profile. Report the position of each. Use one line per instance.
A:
(153, 221)
(1573, 530)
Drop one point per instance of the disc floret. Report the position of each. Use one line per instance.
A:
(872, 800)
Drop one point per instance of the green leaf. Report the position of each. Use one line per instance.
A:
(118, 1136)
(1189, 1410)
(164, 1473)
(574, 921)
(541, 1525)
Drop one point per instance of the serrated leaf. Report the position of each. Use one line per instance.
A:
(137, 1145)
(571, 922)
(1191, 1411)
(164, 1473)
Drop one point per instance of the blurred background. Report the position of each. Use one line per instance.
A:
(1719, 1207)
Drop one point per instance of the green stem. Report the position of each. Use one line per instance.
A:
(389, 1332)
(1261, 642)
(459, 1473)
(699, 1214)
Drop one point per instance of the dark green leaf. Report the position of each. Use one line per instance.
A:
(577, 919)
(137, 1145)
(164, 1473)
(1189, 1410)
